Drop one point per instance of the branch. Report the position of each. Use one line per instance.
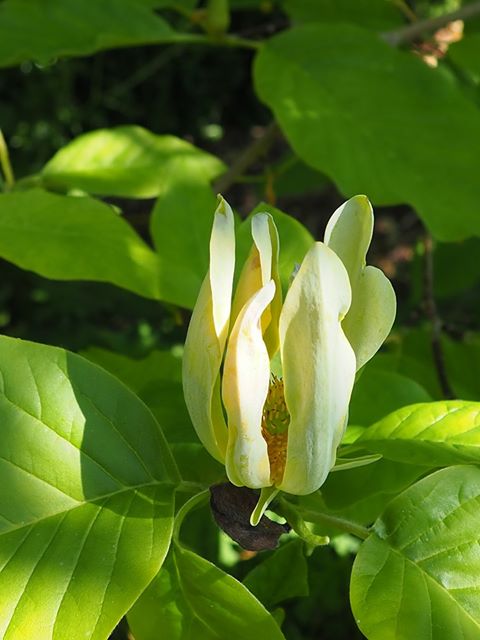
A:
(255, 150)
(436, 323)
(413, 31)
(5, 163)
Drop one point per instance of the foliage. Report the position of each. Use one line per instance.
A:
(127, 118)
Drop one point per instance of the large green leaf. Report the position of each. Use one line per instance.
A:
(378, 393)
(86, 495)
(128, 161)
(281, 576)
(192, 599)
(70, 238)
(376, 120)
(432, 433)
(180, 225)
(42, 31)
(413, 357)
(416, 576)
(466, 53)
(362, 493)
(376, 14)
(157, 380)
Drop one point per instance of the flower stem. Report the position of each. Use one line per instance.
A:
(296, 519)
(196, 501)
(298, 524)
(339, 523)
(231, 41)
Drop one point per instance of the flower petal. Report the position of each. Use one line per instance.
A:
(371, 315)
(246, 378)
(267, 494)
(206, 337)
(261, 266)
(318, 368)
(373, 308)
(349, 233)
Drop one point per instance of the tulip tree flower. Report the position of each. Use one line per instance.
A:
(282, 433)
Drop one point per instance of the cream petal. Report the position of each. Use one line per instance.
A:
(318, 368)
(261, 266)
(222, 267)
(246, 379)
(371, 315)
(372, 312)
(206, 337)
(349, 233)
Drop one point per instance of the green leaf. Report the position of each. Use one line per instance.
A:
(416, 576)
(378, 393)
(433, 433)
(295, 241)
(413, 357)
(375, 14)
(466, 53)
(86, 482)
(281, 576)
(180, 225)
(42, 31)
(69, 238)
(157, 380)
(456, 267)
(374, 119)
(193, 599)
(292, 177)
(361, 494)
(128, 161)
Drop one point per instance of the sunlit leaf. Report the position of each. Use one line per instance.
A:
(128, 161)
(416, 576)
(69, 238)
(431, 433)
(86, 500)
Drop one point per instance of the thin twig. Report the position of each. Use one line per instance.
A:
(405, 9)
(5, 163)
(436, 323)
(291, 512)
(255, 150)
(419, 28)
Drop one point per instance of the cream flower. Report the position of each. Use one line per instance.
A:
(282, 434)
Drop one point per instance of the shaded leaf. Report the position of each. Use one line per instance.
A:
(378, 393)
(180, 225)
(157, 380)
(375, 14)
(321, 82)
(192, 599)
(281, 576)
(41, 31)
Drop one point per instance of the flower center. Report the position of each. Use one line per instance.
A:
(275, 421)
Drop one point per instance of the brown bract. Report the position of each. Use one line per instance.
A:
(231, 508)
